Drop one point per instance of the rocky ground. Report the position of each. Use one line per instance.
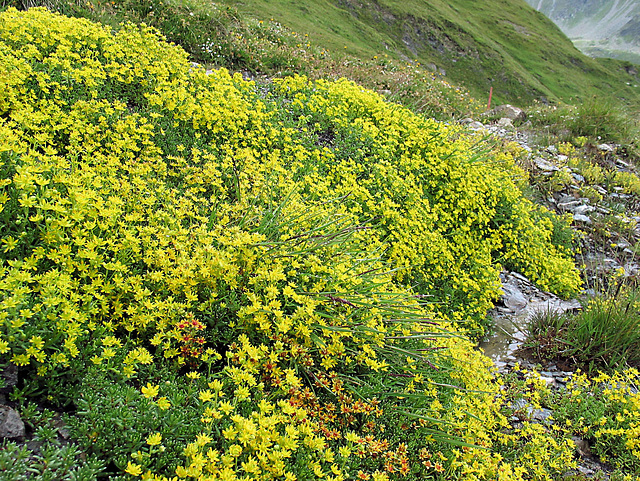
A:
(604, 205)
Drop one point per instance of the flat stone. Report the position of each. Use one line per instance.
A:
(606, 148)
(544, 165)
(568, 206)
(583, 209)
(11, 426)
(513, 298)
(582, 218)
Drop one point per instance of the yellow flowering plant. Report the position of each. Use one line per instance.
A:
(250, 283)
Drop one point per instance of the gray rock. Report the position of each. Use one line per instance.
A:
(582, 218)
(520, 277)
(544, 165)
(540, 415)
(10, 376)
(562, 158)
(586, 471)
(476, 125)
(468, 120)
(513, 298)
(582, 446)
(569, 206)
(566, 198)
(508, 111)
(606, 148)
(577, 177)
(11, 426)
(583, 209)
(505, 123)
(623, 164)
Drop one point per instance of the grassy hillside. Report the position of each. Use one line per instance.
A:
(501, 43)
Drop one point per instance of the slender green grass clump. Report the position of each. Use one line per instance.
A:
(220, 281)
(605, 335)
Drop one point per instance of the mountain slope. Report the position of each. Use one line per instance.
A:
(504, 44)
(608, 28)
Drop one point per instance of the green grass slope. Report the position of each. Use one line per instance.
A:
(499, 43)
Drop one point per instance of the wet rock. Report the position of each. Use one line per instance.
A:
(11, 426)
(513, 298)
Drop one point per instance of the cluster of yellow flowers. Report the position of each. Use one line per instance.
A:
(153, 213)
(609, 415)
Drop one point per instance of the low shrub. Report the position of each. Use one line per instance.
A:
(603, 410)
(263, 282)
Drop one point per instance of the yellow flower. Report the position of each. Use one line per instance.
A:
(150, 390)
(163, 403)
(154, 439)
(206, 396)
(133, 469)
(216, 385)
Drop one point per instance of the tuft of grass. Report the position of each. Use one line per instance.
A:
(595, 121)
(606, 334)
